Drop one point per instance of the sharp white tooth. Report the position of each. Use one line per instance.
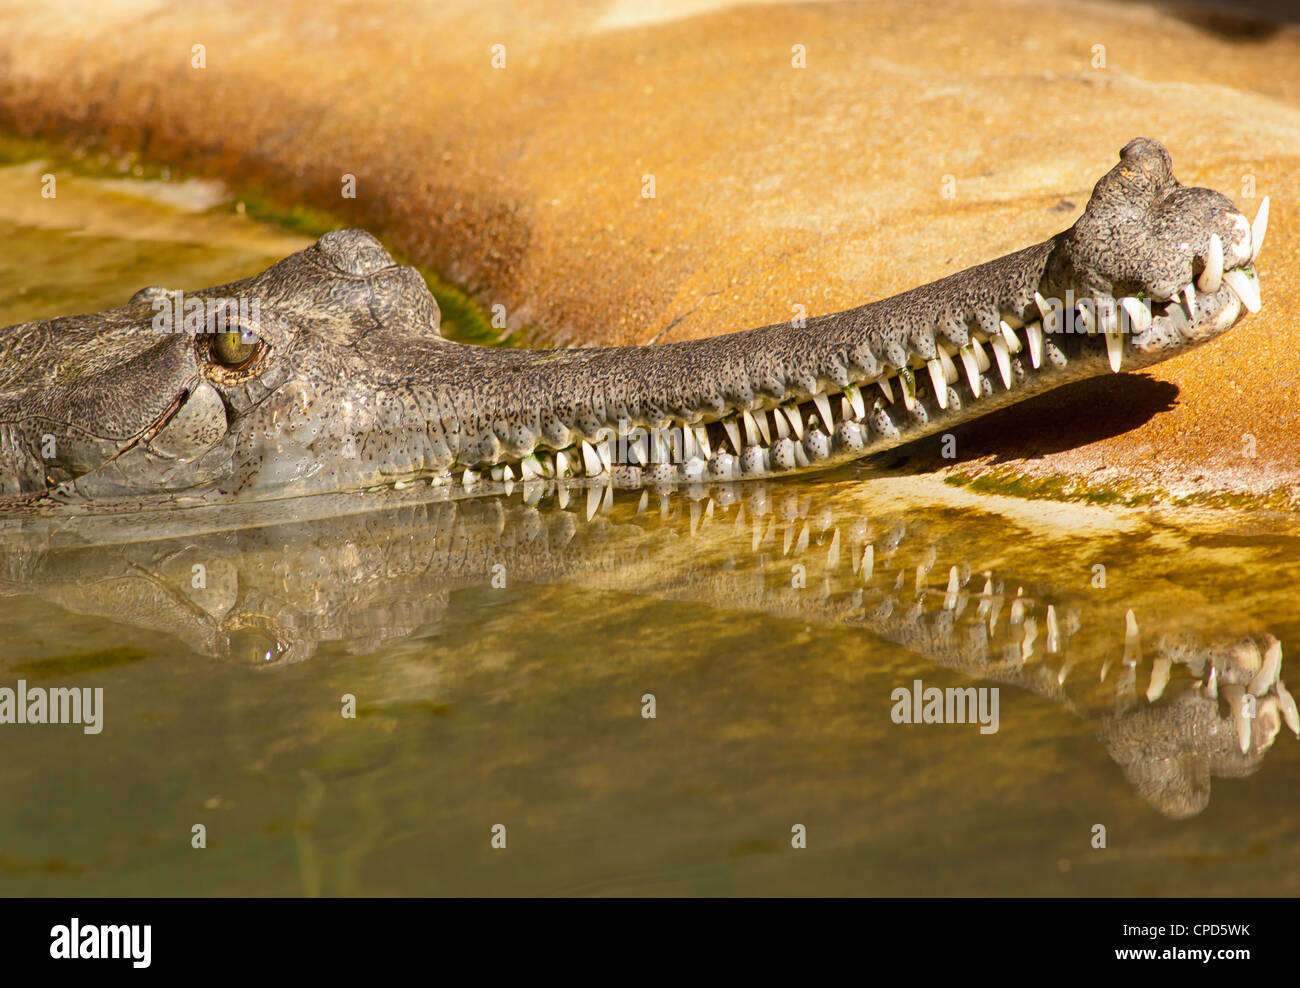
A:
(1139, 316)
(506, 473)
(846, 409)
(1159, 679)
(590, 459)
(760, 417)
(855, 399)
(751, 427)
(937, 379)
(981, 358)
(1107, 316)
(1115, 350)
(1258, 229)
(796, 419)
(1268, 670)
(469, 478)
(702, 440)
(1044, 309)
(1189, 295)
(782, 424)
(972, 370)
(733, 433)
(886, 388)
(1244, 288)
(1287, 703)
(824, 410)
(1034, 334)
(1212, 275)
(1004, 360)
(949, 368)
(908, 383)
(1009, 334)
(529, 468)
(606, 454)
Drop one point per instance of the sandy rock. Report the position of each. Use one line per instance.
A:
(916, 139)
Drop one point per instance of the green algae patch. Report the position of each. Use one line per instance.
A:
(1123, 493)
(462, 320)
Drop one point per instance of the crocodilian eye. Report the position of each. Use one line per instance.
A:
(236, 348)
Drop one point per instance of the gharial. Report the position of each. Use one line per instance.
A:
(343, 382)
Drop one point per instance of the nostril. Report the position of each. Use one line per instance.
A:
(354, 252)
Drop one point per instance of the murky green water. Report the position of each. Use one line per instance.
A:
(503, 658)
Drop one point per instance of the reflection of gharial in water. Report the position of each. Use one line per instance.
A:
(339, 378)
(275, 593)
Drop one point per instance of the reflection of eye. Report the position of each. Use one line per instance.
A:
(235, 349)
(254, 647)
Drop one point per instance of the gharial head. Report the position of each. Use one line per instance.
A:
(330, 372)
(1144, 236)
(181, 391)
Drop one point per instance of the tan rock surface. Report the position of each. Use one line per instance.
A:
(775, 186)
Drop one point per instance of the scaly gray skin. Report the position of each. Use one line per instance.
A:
(351, 386)
(275, 594)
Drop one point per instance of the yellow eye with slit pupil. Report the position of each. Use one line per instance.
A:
(234, 349)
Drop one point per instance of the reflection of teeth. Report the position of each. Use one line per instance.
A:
(1237, 703)
(1287, 704)
(1268, 671)
(1245, 288)
(1258, 230)
(1159, 679)
(1212, 275)
(1053, 632)
(950, 598)
(1212, 684)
